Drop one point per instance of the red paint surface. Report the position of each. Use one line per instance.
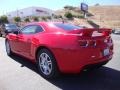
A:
(65, 46)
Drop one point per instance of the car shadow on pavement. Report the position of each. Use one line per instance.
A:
(25, 63)
(104, 78)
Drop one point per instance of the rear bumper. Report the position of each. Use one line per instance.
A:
(73, 61)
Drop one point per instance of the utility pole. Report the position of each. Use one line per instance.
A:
(17, 13)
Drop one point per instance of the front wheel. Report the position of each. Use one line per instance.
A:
(47, 64)
(8, 49)
(0, 35)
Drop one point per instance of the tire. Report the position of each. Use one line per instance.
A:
(0, 35)
(47, 65)
(8, 48)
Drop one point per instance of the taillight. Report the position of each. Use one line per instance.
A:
(86, 43)
(108, 40)
(106, 33)
(92, 43)
(83, 43)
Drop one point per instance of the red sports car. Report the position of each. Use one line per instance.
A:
(61, 47)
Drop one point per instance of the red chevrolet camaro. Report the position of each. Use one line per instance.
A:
(61, 47)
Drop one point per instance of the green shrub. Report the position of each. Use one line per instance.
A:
(69, 7)
(68, 15)
(36, 19)
(44, 18)
(4, 19)
(49, 17)
(17, 19)
(27, 20)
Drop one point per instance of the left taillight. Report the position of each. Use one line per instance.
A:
(83, 43)
(87, 43)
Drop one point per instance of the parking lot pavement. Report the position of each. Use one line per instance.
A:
(18, 74)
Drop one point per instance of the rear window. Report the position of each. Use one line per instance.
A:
(67, 26)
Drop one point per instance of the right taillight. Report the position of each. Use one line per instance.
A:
(92, 43)
(108, 40)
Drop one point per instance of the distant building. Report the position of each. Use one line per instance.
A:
(30, 12)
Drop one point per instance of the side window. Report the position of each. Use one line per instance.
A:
(39, 29)
(29, 30)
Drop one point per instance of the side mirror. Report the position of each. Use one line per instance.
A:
(6, 31)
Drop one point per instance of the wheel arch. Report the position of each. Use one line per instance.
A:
(45, 47)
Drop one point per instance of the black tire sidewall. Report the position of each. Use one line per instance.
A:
(9, 54)
(0, 35)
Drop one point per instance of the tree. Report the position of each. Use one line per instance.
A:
(4, 19)
(49, 17)
(97, 4)
(68, 15)
(60, 16)
(36, 19)
(44, 18)
(27, 20)
(17, 19)
(57, 16)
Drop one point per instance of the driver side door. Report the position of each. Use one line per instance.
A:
(25, 40)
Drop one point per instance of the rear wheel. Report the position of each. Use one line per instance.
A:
(8, 48)
(47, 64)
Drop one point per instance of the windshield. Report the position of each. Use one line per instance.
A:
(67, 26)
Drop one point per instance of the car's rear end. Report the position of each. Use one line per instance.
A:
(83, 47)
(94, 47)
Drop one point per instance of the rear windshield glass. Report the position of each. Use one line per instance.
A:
(67, 26)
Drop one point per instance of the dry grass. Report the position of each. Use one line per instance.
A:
(108, 16)
(105, 16)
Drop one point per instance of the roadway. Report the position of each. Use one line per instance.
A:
(18, 74)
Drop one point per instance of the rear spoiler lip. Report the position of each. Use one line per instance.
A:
(92, 29)
(89, 31)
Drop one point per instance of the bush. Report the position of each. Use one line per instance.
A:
(69, 7)
(81, 16)
(78, 16)
(68, 15)
(27, 20)
(17, 19)
(36, 19)
(49, 17)
(44, 18)
(4, 19)
(58, 16)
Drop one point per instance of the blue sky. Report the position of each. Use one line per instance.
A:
(11, 5)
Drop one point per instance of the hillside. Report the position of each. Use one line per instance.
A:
(105, 16)
(108, 16)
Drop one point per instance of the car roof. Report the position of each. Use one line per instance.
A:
(48, 26)
(9, 24)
